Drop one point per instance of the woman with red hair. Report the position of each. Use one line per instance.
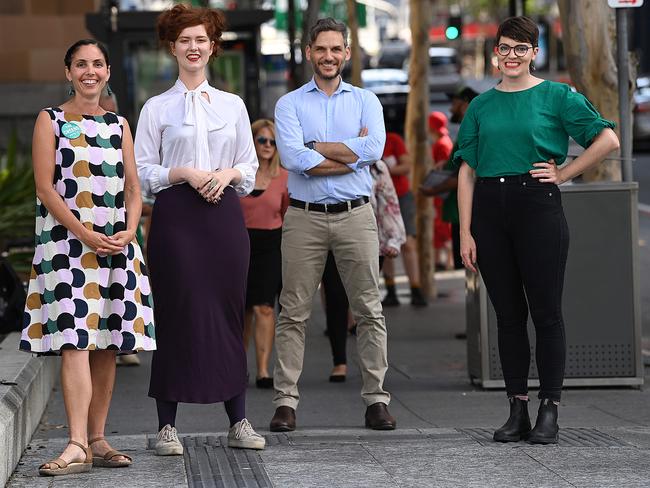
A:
(194, 151)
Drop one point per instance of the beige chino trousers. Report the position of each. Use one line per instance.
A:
(307, 237)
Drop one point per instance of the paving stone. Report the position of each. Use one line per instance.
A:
(635, 436)
(597, 468)
(147, 470)
(462, 466)
(312, 466)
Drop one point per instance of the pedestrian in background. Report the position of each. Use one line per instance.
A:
(399, 163)
(459, 103)
(329, 132)
(441, 147)
(264, 209)
(89, 295)
(195, 151)
(511, 141)
(392, 236)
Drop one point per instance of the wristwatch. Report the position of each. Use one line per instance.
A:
(310, 145)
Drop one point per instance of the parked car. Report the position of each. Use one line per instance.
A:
(444, 71)
(393, 54)
(392, 88)
(641, 110)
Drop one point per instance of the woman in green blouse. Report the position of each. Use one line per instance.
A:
(512, 225)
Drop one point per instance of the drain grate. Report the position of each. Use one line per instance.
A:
(569, 437)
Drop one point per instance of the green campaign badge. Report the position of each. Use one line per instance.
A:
(70, 130)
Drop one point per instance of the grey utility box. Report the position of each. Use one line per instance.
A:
(601, 301)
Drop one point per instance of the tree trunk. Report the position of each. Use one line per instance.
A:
(355, 59)
(416, 137)
(310, 16)
(294, 81)
(589, 36)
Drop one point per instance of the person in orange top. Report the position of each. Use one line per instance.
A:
(398, 161)
(264, 211)
(440, 152)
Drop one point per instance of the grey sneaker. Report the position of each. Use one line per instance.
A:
(243, 436)
(167, 443)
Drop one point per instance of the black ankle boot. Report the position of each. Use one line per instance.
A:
(546, 428)
(517, 426)
(417, 298)
(390, 300)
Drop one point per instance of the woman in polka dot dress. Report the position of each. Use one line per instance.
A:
(89, 295)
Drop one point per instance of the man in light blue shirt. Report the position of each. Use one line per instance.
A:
(328, 134)
(309, 114)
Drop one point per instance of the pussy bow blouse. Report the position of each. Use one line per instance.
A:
(181, 128)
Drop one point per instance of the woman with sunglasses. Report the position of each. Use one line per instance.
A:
(194, 150)
(511, 141)
(264, 211)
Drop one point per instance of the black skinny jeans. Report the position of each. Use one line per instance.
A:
(522, 242)
(336, 309)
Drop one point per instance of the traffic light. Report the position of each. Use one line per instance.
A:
(454, 27)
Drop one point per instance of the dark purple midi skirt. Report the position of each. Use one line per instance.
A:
(198, 255)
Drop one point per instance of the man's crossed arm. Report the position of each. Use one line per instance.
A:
(338, 157)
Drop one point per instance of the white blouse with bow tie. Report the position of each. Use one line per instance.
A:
(181, 128)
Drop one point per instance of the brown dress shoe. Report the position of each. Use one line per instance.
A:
(284, 420)
(378, 418)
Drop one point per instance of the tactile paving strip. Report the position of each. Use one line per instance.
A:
(569, 437)
(209, 463)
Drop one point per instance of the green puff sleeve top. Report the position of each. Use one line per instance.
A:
(504, 133)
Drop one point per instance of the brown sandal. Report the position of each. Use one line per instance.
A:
(63, 467)
(107, 461)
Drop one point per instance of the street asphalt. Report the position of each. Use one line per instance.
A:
(444, 424)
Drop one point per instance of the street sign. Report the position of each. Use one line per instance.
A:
(624, 3)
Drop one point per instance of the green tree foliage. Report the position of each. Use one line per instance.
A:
(17, 196)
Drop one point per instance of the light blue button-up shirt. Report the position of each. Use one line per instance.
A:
(308, 114)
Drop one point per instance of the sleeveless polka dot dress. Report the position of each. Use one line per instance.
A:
(77, 299)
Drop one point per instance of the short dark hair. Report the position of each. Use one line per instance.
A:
(520, 28)
(328, 24)
(84, 42)
(464, 93)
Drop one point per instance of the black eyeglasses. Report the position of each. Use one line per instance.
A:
(520, 49)
(263, 140)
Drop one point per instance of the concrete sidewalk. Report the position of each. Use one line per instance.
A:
(443, 437)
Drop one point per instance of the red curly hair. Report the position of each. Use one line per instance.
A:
(171, 23)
